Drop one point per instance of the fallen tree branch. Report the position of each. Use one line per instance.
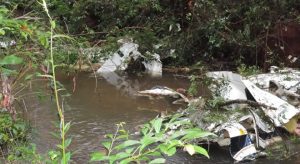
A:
(248, 102)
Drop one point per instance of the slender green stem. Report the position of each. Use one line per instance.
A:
(113, 140)
(59, 109)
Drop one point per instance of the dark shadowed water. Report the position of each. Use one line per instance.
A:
(95, 110)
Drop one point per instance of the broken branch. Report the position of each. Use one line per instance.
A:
(248, 102)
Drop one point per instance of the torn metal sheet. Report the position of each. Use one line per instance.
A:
(234, 88)
(236, 136)
(281, 92)
(289, 79)
(248, 122)
(127, 53)
(242, 148)
(121, 59)
(285, 111)
(234, 130)
(229, 130)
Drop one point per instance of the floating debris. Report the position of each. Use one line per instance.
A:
(159, 91)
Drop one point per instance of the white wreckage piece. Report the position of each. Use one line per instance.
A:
(285, 84)
(284, 111)
(282, 87)
(233, 87)
(235, 135)
(288, 78)
(127, 53)
(164, 92)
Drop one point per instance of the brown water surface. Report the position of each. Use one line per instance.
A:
(95, 110)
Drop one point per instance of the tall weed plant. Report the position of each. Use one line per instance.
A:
(62, 154)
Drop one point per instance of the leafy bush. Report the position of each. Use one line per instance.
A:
(159, 137)
(24, 154)
(12, 131)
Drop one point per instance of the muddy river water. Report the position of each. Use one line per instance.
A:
(94, 108)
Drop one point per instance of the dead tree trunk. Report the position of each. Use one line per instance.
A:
(7, 96)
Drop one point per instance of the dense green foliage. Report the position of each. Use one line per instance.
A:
(195, 29)
(12, 131)
(160, 137)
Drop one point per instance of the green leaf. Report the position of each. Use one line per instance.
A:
(53, 155)
(147, 140)
(122, 155)
(68, 142)
(178, 123)
(2, 32)
(154, 154)
(59, 146)
(11, 60)
(145, 129)
(98, 156)
(171, 151)
(143, 158)
(163, 148)
(44, 41)
(175, 117)
(7, 71)
(67, 127)
(109, 136)
(66, 158)
(174, 143)
(125, 161)
(177, 134)
(122, 136)
(127, 144)
(157, 161)
(130, 150)
(118, 156)
(157, 124)
(53, 24)
(196, 133)
(201, 150)
(106, 145)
